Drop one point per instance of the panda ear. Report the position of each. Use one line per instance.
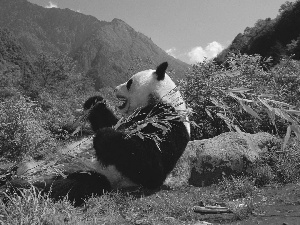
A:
(161, 70)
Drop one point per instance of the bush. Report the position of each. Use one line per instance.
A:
(280, 166)
(21, 129)
(243, 96)
(287, 79)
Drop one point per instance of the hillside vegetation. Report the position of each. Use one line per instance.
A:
(104, 51)
(42, 86)
(27, 130)
(270, 37)
(244, 95)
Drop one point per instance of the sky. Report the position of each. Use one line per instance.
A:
(189, 30)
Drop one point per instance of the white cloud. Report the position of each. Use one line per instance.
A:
(76, 10)
(213, 49)
(198, 54)
(172, 52)
(51, 5)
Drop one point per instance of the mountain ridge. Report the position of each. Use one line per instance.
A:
(104, 50)
(278, 37)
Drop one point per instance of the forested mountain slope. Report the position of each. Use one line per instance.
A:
(104, 50)
(270, 37)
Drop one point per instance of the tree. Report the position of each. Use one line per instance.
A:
(52, 70)
(293, 48)
(286, 6)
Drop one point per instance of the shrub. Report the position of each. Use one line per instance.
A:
(243, 96)
(287, 79)
(21, 129)
(284, 165)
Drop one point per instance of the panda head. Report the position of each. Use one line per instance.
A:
(145, 88)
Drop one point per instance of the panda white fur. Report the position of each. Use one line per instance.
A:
(125, 160)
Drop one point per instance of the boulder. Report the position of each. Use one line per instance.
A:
(205, 162)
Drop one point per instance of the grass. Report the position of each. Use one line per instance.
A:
(164, 207)
(174, 206)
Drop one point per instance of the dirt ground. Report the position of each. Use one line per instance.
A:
(276, 205)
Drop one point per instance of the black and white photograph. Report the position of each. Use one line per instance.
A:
(150, 112)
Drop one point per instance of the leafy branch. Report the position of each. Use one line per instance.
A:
(243, 94)
(273, 108)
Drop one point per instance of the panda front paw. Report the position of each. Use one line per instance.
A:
(99, 115)
(92, 101)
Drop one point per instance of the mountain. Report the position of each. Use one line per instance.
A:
(12, 54)
(15, 67)
(104, 50)
(270, 37)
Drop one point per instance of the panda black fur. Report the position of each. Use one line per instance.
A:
(128, 161)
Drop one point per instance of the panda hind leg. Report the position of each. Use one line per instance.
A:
(78, 187)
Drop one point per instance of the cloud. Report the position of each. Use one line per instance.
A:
(76, 10)
(51, 5)
(213, 49)
(172, 52)
(198, 54)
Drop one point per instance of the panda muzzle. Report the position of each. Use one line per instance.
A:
(123, 101)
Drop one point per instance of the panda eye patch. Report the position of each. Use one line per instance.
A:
(128, 85)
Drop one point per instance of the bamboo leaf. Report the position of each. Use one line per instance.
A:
(265, 104)
(226, 120)
(249, 110)
(217, 103)
(283, 115)
(238, 98)
(271, 114)
(287, 137)
(208, 113)
(223, 117)
(296, 129)
(140, 135)
(120, 121)
(193, 123)
(296, 112)
(280, 103)
(76, 130)
(239, 90)
(238, 129)
(141, 126)
(161, 127)
(266, 96)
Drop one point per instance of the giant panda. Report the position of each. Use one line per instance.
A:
(139, 150)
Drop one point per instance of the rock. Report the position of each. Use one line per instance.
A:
(204, 162)
(83, 146)
(29, 168)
